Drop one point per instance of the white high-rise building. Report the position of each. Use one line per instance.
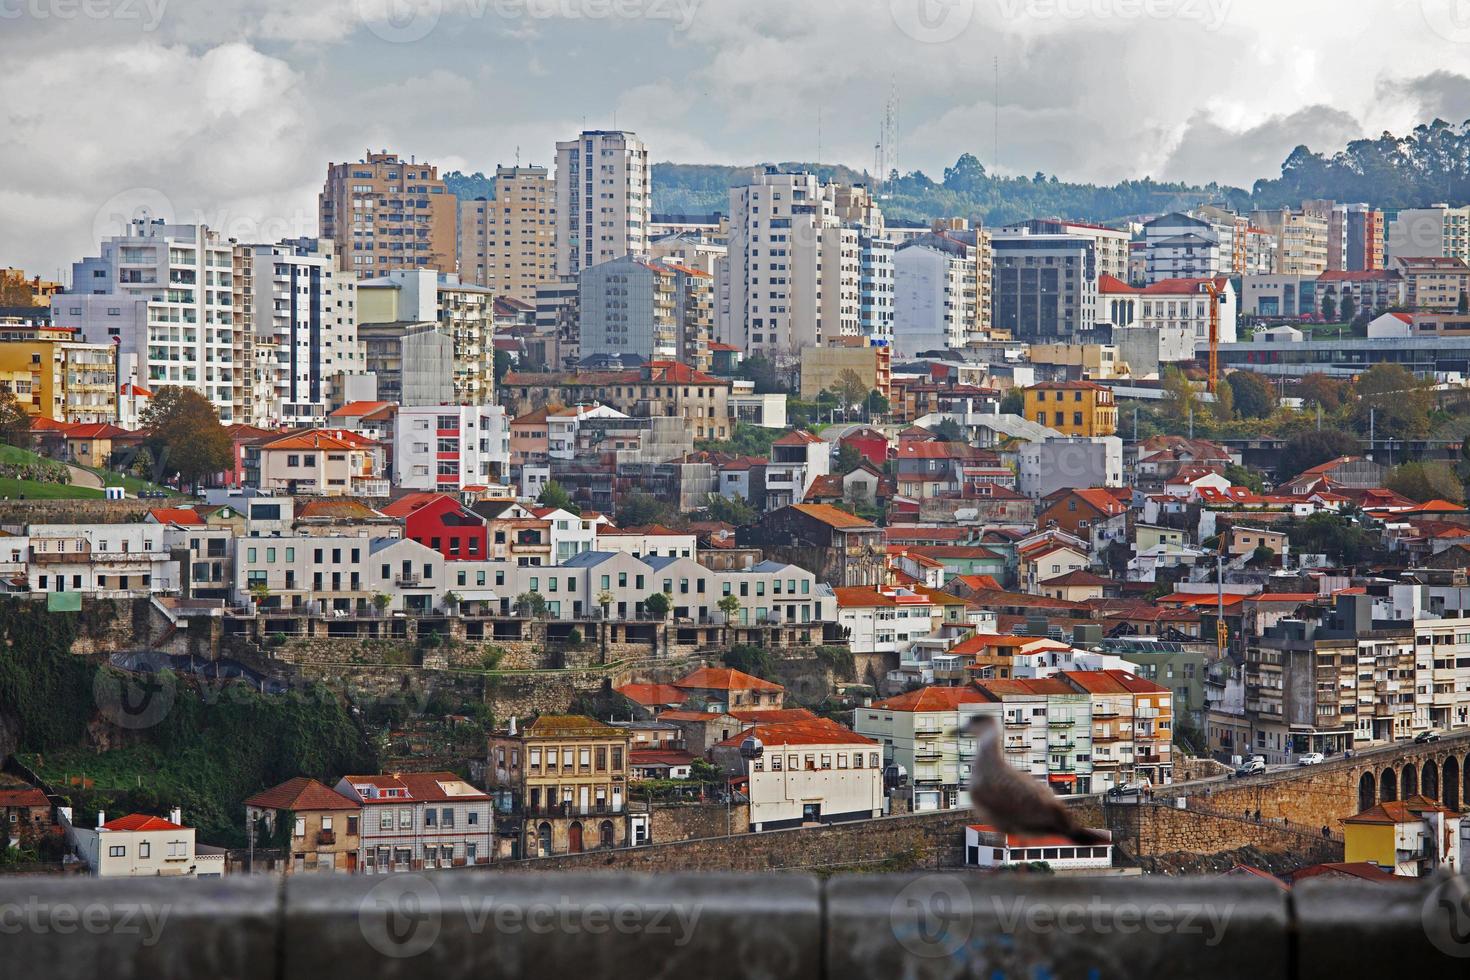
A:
(1430, 233)
(807, 264)
(164, 295)
(603, 200)
(936, 283)
(450, 447)
(294, 299)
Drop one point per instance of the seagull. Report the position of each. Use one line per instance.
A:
(1012, 802)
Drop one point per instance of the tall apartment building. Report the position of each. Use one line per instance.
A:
(1301, 239)
(164, 294)
(386, 213)
(936, 293)
(1230, 230)
(801, 256)
(857, 208)
(1430, 233)
(464, 313)
(293, 301)
(627, 307)
(508, 243)
(603, 199)
(1044, 287)
(1181, 246)
(1336, 217)
(1367, 239)
(1111, 244)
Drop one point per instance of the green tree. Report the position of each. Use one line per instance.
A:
(1463, 306)
(502, 365)
(1241, 476)
(185, 435)
(1432, 480)
(531, 604)
(1254, 397)
(731, 510)
(1261, 557)
(1223, 408)
(638, 509)
(1348, 309)
(658, 605)
(1306, 449)
(1320, 390)
(15, 421)
(381, 601)
(1393, 403)
(1329, 309)
(849, 458)
(949, 430)
(1338, 537)
(1014, 403)
(753, 660)
(553, 494)
(728, 605)
(875, 404)
(1181, 400)
(850, 388)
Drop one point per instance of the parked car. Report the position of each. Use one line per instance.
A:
(1254, 767)
(1131, 787)
(1309, 759)
(1430, 735)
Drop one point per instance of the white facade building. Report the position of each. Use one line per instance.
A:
(935, 293)
(1069, 461)
(299, 304)
(603, 199)
(809, 772)
(164, 294)
(450, 447)
(419, 821)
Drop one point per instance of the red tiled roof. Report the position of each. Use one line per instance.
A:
(650, 695)
(1175, 287)
(931, 699)
(408, 503)
(812, 731)
(176, 515)
(22, 796)
(767, 716)
(832, 516)
(358, 409)
(140, 821)
(797, 437)
(725, 679)
(301, 793)
(1112, 284)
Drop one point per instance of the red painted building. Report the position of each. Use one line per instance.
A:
(439, 521)
(870, 442)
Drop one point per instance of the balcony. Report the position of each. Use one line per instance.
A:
(408, 580)
(1060, 722)
(326, 838)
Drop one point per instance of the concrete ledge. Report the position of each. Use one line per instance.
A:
(947, 924)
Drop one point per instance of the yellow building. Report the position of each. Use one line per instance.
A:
(1073, 408)
(821, 367)
(1409, 838)
(17, 290)
(59, 379)
(567, 776)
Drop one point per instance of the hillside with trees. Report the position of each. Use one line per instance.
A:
(1428, 165)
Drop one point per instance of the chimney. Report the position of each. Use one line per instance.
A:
(176, 815)
(101, 819)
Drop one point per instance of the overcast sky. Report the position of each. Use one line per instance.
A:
(228, 111)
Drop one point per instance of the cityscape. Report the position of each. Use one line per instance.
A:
(490, 487)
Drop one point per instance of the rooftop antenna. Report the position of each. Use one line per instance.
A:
(819, 141)
(996, 121)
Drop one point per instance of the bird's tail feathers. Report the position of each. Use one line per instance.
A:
(1086, 837)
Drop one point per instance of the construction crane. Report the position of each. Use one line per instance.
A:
(1213, 288)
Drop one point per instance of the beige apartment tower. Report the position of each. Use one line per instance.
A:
(386, 213)
(508, 243)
